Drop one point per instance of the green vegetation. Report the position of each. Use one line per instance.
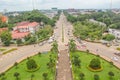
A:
(8, 51)
(118, 49)
(43, 72)
(87, 30)
(2, 49)
(31, 65)
(62, 34)
(108, 37)
(6, 38)
(31, 16)
(83, 73)
(72, 45)
(44, 33)
(54, 47)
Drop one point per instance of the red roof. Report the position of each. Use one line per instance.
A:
(18, 35)
(23, 23)
(33, 24)
(26, 24)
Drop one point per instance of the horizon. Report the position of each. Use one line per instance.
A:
(28, 5)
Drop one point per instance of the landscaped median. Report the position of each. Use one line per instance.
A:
(10, 50)
(102, 69)
(39, 67)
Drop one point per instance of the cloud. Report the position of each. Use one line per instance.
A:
(16, 5)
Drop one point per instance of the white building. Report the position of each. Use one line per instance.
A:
(116, 33)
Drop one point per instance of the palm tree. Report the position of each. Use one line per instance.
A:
(111, 74)
(72, 45)
(45, 75)
(76, 61)
(16, 65)
(81, 76)
(32, 76)
(96, 77)
(54, 47)
(16, 74)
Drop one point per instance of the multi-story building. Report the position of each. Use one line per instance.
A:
(24, 28)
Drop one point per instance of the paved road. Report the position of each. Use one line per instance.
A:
(8, 60)
(63, 66)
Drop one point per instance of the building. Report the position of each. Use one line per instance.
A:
(97, 22)
(24, 28)
(116, 33)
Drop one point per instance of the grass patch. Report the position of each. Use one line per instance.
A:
(118, 49)
(13, 49)
(2, 49)
(62, 34)
(89, 75)
(26, 75)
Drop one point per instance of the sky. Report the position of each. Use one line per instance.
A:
(22, 5)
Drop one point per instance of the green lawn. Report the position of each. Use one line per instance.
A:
(85, 60)
(24, 75)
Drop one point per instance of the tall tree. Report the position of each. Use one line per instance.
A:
(72, 45)
(55, 47)
(6, 38)
(16, 74)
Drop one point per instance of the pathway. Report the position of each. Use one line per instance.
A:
(64, 70)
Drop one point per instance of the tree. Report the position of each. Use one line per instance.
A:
(19, 41)
(81, 75)
(109, 37)
(76, 61)
(54, 47)
(16, 65)
(31, 64)
(16, 74)
(51, 63)
(6, 38)
(45, 75)
(39, 53)
(111, 74)
(32, 76)
(95, 64)
(2, 75)
(96, 77)
(72, 45)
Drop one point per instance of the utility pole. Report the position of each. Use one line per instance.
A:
(111, 5)
(33, 6)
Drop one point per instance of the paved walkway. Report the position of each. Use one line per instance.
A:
(63, 68)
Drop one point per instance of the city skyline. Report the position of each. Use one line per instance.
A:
(22, 5)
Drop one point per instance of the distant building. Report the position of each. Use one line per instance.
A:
(55, 8)
(23, 29)
(116, 33)
(97, 22)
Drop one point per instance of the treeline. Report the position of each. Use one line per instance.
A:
(111, 19)
(86, 30)
(31, 16)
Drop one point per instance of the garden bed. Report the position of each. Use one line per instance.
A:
(89, 75)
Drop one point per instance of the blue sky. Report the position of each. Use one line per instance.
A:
(16, 5)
